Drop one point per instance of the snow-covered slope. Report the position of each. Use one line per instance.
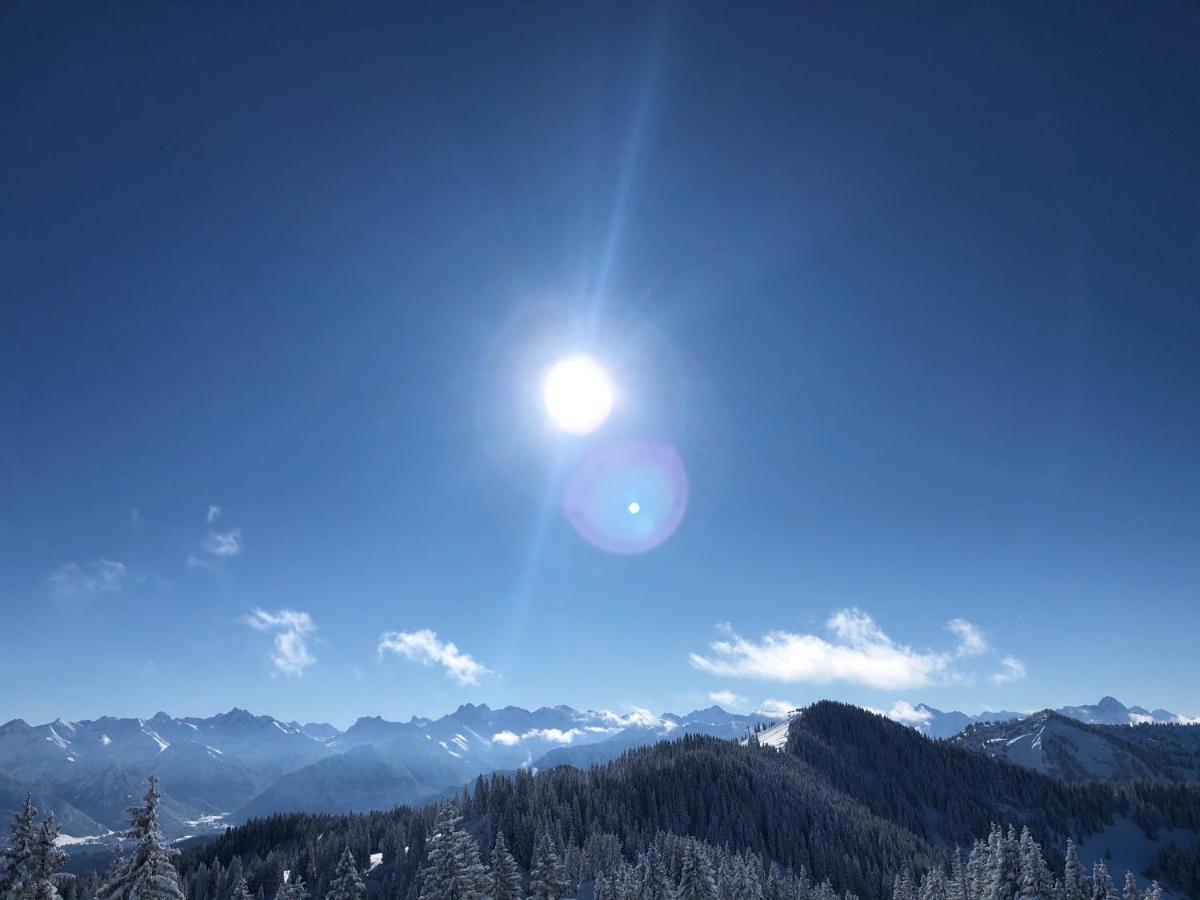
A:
(1075, 751)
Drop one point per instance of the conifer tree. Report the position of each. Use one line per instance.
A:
(346, 884)
(1075, 886)
(1131, 888)
(546, 878)
(148, 873)
(1102, 883)
(504, 880)
(454, 871)
(46, 861)
(16, 858)
(696, 879)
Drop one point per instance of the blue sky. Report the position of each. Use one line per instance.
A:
(912, 294)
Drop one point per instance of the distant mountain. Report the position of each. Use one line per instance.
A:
(224, 768)
(235, 765)
(1071, 750)
(935, 723)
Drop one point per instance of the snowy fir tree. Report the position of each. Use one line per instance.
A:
(45, 863)
(1102, 883)
(454, 871)
(504, 879)
(16, 858)
(696, 880)
(1075, 886)
(546, 878)
(240, 890)
(1131, 891)
(347, 884)
(148, 873)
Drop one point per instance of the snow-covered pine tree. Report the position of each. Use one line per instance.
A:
(1131, 888)
(504, 879)
(1036, 882)
(934, 885)
(240, 890)
(1005, 864)
(16, 858)
(346, 884)
(46, 861)
(1154, 892)
(1102, 883)
(1075, 884)
(696, 880)
(454, 871)
(148, 873)
(546, 878)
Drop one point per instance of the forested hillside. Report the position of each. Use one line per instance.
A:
(853, 802)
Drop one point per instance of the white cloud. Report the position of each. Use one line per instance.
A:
(291, 630)
(858, 653)
(214, 513)
(971, 640)
(135, 516)
(727, 698)
(904, 712)
(104, 576)
(775, 709)
(227, 544)
(637, 715)
(1011, 669)
(507, 738)
(424, 647)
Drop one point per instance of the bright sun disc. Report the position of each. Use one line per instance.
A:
(577, 395)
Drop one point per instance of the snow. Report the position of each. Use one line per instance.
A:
(376, 860)
(66, 840)
(55, 738)
(206, 821)
(105, 740)
(776, 736)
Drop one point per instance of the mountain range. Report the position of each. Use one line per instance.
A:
(234, 766)
(237, 765)
(935, 723)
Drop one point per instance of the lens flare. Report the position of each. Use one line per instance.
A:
(577, 395)
(628, 498)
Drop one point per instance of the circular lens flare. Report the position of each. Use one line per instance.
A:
(577, 395)
(628, 498)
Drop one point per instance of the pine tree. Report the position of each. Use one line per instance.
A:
(46, 861)
(696, 879)
(1131, 888)
(546, 878)
(504, 880)
(16, 858)
(1102, 884)
(1155, 892)
(148, 874)
(1075, 886)
(1036, 882)
(240, 890)
(346, 884)
(454, 871)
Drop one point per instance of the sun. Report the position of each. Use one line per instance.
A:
(577, 395)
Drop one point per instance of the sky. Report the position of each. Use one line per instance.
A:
(896, 308)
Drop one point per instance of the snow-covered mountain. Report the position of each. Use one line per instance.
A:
(937, 723)
(1071, 750)
(227, 767)
(235, 765)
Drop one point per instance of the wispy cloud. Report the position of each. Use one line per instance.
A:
(424, 647)
(104, 576)
(727, 698)
(228, 543)
(858, 652)
(775, 709)
(214, 513)
(1011, 669)
(216, 547)
(291, 630)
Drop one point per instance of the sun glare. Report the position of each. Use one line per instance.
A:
(577, 395)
